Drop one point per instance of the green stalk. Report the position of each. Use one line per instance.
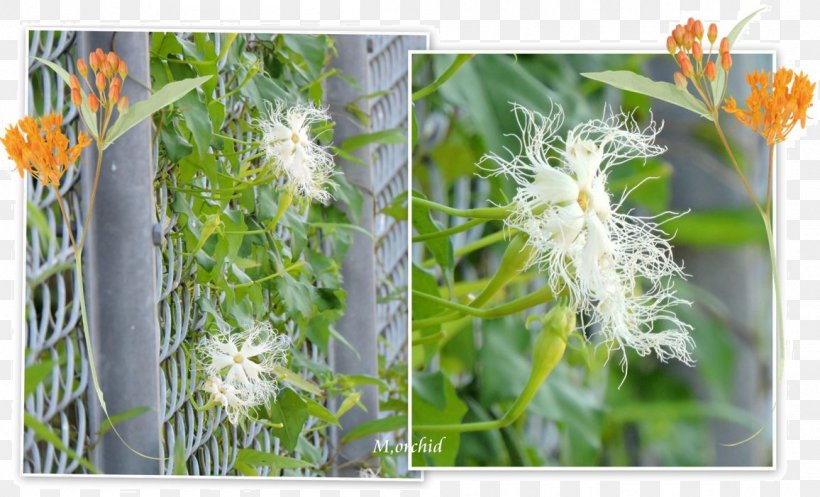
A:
(449, 231)
(547, 353)
(482, 212)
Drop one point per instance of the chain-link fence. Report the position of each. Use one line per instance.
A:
(193, 441)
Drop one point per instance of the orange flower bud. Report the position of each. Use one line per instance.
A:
(114, 90)
(680, 57)
(76, 97)
(726, 61)
(123, 69)
(690, 23)
(687, 40)
(100, 81)
(677, 34)
(711, 70)
(93, 61)
(680, 80)
(697, 29)
(712, 34)
(106, 68)
(74, 82)
(697, 51)
(671, 45)
(100, 55)
(113, 61)
(724, 45)
(93, 103)
(686, 67)
(81, 67)
(122, 104)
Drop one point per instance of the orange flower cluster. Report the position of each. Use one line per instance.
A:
(40, 148)
(685, 44)
(774, 107)
(107, 70)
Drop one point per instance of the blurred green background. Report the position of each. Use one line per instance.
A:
(584, 415)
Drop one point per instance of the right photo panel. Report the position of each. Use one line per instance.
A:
(590, 271)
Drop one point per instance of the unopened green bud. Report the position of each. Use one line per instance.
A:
(551, 342)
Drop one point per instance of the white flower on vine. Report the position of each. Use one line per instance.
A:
(247, 361)
(290, 149)
(228, 396)
(587, 246)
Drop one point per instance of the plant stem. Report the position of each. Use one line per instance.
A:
(277, 274)
(449, 231)
(475, 245)
(734, 162)
(769, 183)
(93, 197)
(66, 220)
(482, 212)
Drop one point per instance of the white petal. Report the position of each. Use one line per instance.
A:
(278, 132)
(566, 224)
(594, 262)
(599, 199)
(221, 361)
(236, 375)
(584, 158)
(554, 186)
(251, 350)
(251, 369)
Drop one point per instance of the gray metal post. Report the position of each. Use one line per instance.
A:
(358, 325)
(120, 273)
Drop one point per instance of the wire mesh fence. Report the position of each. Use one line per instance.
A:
(194, 441)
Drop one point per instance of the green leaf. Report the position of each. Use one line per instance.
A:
(425, 413)
(198, 121)
(388, 424)
(630, 81)
(252, 457)
(121, 417)
(319, 411)
(386, 136)
(296, 380)
(36, 374)
(721, 228)
(44, 433)
(720, 82)
(168, 94)
(459, 61)
(440, 247)
(292, 412)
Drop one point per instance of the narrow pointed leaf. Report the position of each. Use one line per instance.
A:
(719, 84)
(630, 81)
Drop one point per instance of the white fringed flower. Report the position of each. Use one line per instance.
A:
(292, 152)
(243, 364)
(228, 396)
(615, 266)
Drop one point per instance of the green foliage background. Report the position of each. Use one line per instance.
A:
(584, 415)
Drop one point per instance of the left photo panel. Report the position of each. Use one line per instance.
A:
(216, 253)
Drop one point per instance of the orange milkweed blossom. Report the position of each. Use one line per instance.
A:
(39, 147)
(776, 104)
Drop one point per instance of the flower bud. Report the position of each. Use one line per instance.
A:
(724, 45)
(697, 51)
(680, 80)
(106, 69)
(686, 68)
(82, 68)
(551, 341)
(100, 81)
(100, 55)
(74, 82)
(680, 57)
(122, 104)
(671, 45)
(94, 61)
(93, 103)
(76, 97)
(677, 34)
(122, 69)
(697, 30)
(711, 70)
(114, 90)
(690, 23)
(113, 61)
(712, 34)
(726, 61)
(687, 41)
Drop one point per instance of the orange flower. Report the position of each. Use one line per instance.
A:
(41, 148)
(776, 104)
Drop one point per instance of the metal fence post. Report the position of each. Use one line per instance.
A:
(120, 273)
(358, 325)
